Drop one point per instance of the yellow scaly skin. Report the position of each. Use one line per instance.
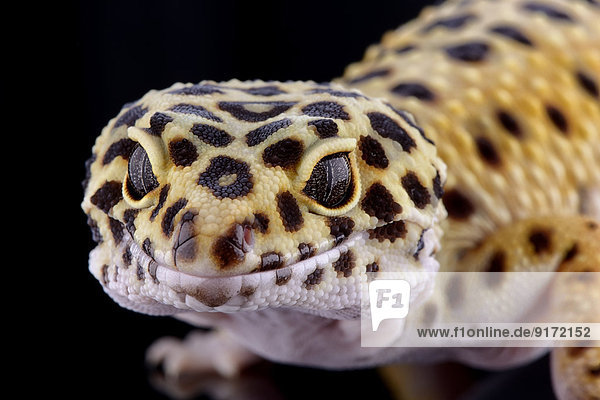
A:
(227, 224)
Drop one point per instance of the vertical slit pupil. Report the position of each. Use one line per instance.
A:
(141, 180)
(330, 183)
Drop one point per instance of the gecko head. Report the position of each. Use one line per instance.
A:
(229, 194)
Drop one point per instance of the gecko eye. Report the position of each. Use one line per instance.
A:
(141, 180)
(330, 183)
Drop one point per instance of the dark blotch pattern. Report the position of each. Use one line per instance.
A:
(270, 260)
(392, 231)
(211, 135)
(261, 222)
(326, 109)
(182, 152)
(340, 228)
(457, 204)
(158, 121)
(238, 109)
(345, 264)
(221, 166)
(406, 49)
(372, 267)
(438, 189)
(162, 198)
(282, 276)
(195, 110)
(541, 240)
(487, 151)
(197, 90)
(305, 250)
(420, 245)
(285, 153)
(337, 93)
(130, 116)
(116, 229)
(376, 73)
(469, 52)
(413, 89)
(388, 128)
(588, 84)
(571, 253)
(96, 235)
(451, 23)
(122, 148)
(290, 213)
(558, 118)
(127, 257)
(228, 250)
(107, 196)
(496, 264)
(325, 128)
(170, 213)
(259, 135)
(269, 90)
(372, 152)
(147, 248)
(129, 219)
(410, 121)
(314, 278)
(379, 203)
(416, 191)
(509, 123)
(513, 33)
(547, 10)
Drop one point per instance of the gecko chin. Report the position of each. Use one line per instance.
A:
(137, 281)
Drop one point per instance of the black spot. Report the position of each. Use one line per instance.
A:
(107, 195)
(104, 273)
(511, 33)
(305, 251)
(405, 49)
(410, 121)
(285, 154)
(269, 90)
(230, 249)
(325, 128)
(282, 276)
(238, 109)
(452, 23)
(487, 151)
(326, 109)
(337, 93)
(548, 11)
(388, 128)
(129, 219)
(211, 135)
(182, 152)
(340, 228)
(261, 222)
(270, 260)
(379, 203)
(185, 248)
(496, 265)
(314, 278)
(571, 253)
(594, 371)
(116, 228)
(345, 264)
(147, 248)
(260, 134)
(127, 257)
(195, 110)
(139, 272)
(372, 267)
(588, 84)
(420, 245)
(162, 197)
(197, 90)
(469, 52)
(170, 213)
(158, 121)
(290, 213)
(122, 148)
(376, 73)
(392, 231)
(509, 123)
(558, 118)
(438, 189)
(413, 89)
(130, 116)
(372, 152)
(457, 204)
(222, 166)
(541, 240)
(416, 191)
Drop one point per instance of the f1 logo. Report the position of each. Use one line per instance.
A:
(389, 298)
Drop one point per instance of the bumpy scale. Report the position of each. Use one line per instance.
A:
(269, 201)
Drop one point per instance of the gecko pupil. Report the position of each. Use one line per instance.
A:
(330, 182)
(141, 179)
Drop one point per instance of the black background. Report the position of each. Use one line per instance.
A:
(86, 59)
